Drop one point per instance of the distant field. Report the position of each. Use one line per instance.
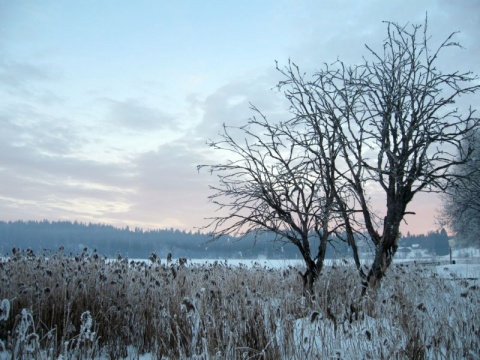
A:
(460, 256)
(92, 308)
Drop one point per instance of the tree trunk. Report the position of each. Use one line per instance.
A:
(387, 245)
(308, 280)
(314, 268)
(384, 253)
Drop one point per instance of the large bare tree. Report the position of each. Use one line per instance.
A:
(387, 127)
(395, 124)
(272, 183)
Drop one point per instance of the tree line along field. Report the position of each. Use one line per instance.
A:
(137, 243)
(89, 307)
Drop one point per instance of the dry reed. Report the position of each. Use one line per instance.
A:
(86, 306)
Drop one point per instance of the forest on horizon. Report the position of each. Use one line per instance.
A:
(111, 241)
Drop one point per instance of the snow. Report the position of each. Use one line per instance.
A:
(469, 271)
(314, 336)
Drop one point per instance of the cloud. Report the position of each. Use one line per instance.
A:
(54, 187)
(135, 115)
(15, 73)
(44, 176)
(340, 29)
(463, 17)
(58, 187)
(131, 158)
(231, 103)
(26, 80)
(31, 173)
(26, 127)
(169, 189)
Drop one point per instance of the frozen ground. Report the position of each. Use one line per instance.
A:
(460, 256)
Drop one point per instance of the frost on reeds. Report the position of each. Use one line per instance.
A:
(87, 307)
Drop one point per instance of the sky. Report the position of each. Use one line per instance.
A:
(106, 105)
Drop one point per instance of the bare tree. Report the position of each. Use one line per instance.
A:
(274, 184)
(385, 127)
(395, 125)
(461, 205)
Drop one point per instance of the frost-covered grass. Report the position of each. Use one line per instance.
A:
(87, 307)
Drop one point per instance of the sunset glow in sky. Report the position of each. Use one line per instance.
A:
(106, 106)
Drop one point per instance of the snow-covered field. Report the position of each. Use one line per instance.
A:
(88, 307)
(460, 271)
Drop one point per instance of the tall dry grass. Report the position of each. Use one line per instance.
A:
(86, 306)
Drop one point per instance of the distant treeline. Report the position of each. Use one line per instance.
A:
(110, 241)
(436, 242)
(138, 243)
